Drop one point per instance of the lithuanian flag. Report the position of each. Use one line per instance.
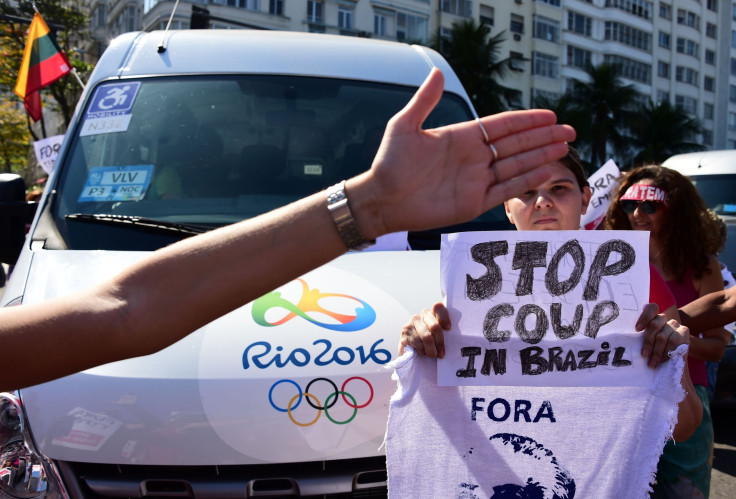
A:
(43, 64)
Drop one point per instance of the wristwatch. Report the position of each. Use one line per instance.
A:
(337, 203)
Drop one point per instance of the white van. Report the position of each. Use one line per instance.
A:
(178, 133)
(714, 176)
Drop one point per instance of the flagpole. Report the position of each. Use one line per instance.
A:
(76, 75)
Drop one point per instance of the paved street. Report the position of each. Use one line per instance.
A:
(723, 479)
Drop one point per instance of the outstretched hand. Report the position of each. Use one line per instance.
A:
(427, 178)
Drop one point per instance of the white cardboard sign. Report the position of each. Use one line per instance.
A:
(602, 183)
(544, 308)
(47, 150)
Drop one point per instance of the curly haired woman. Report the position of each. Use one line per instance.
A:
(665, 203)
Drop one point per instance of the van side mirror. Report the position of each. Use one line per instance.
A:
(16, 215)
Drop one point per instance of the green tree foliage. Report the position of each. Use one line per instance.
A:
(69, 24)
(14, 137)
(662, 130)
(605, 107)
(609, 115)
(474, 55)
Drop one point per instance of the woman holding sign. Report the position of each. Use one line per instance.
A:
(665, 203)
(558, 204)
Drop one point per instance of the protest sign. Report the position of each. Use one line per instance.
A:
(545, 392)
(544, 308)
(602, 184)
(46, 151)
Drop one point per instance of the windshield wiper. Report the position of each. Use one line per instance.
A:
(142, 223)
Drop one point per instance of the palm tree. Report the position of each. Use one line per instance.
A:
(474, 55)
(662, 130)
(609, 105)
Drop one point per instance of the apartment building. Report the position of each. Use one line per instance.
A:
(683, 51)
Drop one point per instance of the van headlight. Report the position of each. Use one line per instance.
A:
(24, 472)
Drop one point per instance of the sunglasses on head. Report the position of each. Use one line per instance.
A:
(648, 207)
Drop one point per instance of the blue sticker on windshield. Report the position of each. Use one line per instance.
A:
(110, 108)
(116, 183)
(729, 208)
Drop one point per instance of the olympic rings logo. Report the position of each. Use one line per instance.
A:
(309, 303)
(314, 402)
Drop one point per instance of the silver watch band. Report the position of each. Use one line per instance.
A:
(337, 203)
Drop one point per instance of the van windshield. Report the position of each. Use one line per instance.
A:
(718, 192)
(209, 151)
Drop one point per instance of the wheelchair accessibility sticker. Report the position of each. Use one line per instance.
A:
(110, 108)
(116, 183)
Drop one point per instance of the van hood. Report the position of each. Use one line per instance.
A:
(301, 374)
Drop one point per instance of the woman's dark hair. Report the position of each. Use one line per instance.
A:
(691, 232)
(572, 162)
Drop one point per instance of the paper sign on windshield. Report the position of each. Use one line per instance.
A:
(544, 308)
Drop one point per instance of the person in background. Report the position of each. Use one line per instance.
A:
(665, 203)
(558, 204)
(419, 179)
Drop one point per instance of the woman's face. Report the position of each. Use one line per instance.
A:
(653, 222)
(555, 205)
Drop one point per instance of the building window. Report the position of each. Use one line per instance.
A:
(627, 35)
(345, 17)
(130, 18)
(545, 65)
(410, 28)
(665, 10)
(711, 30)
(733, 12)
(732, 93)
(712, 5)
(546, 29)
(276, 7)
(245, 4)
(732, 121)
(707, 137)
(733, 38)
(709, 84)
(517, 24)
(688, 47)
(554, 3)
(379, 24)
(579, 23)
(579, 58)
(487, 14)
(631, 69)
(462, 8)
(708, 111)
(733, 66)
(663, 69)
(516, 61)
(100, 15)
(664, 40)
(688, 104)
(662, 96)
(315, 12)
(641, 8)
(710, 57)
(687, 18)
(686, 75)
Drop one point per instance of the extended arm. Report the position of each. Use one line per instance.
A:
(419, 179)
(712, 345)
(710, 311)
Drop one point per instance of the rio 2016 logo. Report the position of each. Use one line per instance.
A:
(309, 303)
(314, 402)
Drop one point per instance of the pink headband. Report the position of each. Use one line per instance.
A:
(641, 192)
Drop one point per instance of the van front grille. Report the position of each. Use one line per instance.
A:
(350, 478)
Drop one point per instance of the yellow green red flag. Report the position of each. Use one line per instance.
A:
(43, 63)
